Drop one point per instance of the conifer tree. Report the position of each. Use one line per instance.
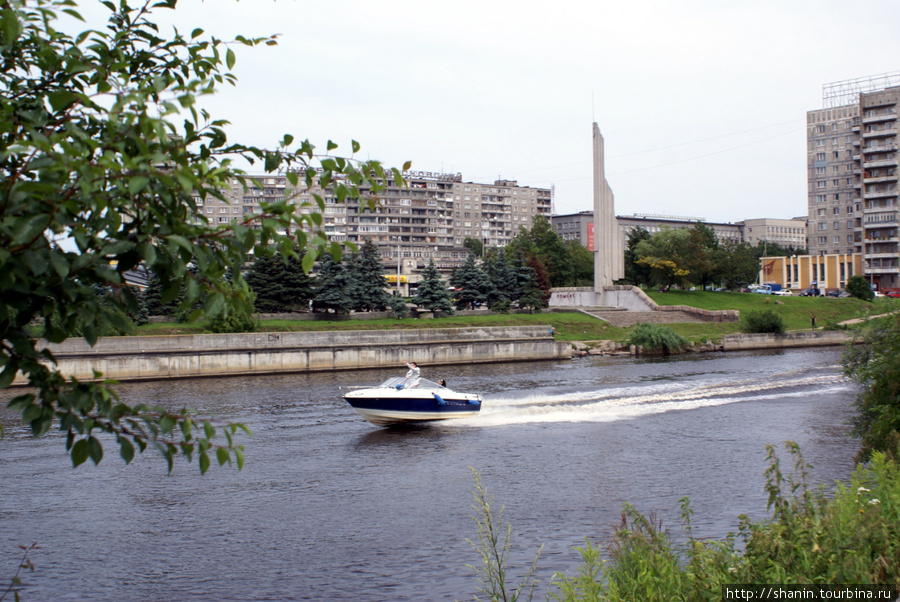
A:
(532, 296)
(280, 283)
(335, 287)
(503, 276)
(369, 275)
(432, 293)
(472, 284)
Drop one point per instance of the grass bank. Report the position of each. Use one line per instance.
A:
(575, 326)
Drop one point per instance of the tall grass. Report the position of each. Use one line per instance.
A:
(657, 339)
(810, 538)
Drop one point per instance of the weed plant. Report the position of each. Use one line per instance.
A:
(657, 339)
(850, 537)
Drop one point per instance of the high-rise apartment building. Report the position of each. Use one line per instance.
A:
(852, 175)
(428, 218)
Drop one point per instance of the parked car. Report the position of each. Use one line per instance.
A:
(785, 292)
(893, 294)
(837, 293)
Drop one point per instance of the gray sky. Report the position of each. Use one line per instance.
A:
(702, 103)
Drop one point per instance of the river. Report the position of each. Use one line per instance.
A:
(329, 507)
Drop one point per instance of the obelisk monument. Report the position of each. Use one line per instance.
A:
(609, 253)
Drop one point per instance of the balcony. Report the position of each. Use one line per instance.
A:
(883, 270)
(879, 134)
(880, 256)
(880, 194)
(880, 162)
(880, 118)
(882, 179)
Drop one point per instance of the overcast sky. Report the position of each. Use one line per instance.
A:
(702, 103)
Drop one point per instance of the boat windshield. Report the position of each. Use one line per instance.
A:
(403, 383)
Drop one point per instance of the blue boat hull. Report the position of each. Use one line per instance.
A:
(386, 411)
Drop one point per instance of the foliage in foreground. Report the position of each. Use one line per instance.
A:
(658, 339)
(874, 365)
(853, 537)
(106, 161)
(493, 547)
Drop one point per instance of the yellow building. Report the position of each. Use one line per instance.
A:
(800, 272)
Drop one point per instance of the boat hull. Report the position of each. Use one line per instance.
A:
(386, 411)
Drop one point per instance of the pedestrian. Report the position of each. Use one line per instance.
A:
(812, 319)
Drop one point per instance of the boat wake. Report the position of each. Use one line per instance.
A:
(623, 403)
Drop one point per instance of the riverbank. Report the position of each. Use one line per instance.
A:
(204, 355)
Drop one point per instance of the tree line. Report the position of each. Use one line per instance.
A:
(694, 256)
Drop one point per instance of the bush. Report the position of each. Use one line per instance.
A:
(501, 307)
(859, 287)
(656, 338)
(874, 367)
(764, 320)
(852, 536)
(398, 306)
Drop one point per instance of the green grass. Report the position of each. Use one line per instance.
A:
(574, 326)
(568, 326)
(794, 310)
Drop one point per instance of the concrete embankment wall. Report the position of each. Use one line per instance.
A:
(815, 338)
(191, 356)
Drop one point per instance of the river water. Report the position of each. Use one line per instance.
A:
(329, 507)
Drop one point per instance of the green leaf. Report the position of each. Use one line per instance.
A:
(79, 452)
(309, 260)
(10, 25)
(59, 264)
(137, 183)
(8, 374)
(222, 456)
(215, 304)
(126, 450)
(239, 457)
(166, 424)
(331, 146)
(230, 58)
(355, 145)
(181, 241)
(204, 463)
(59, 100)
(95, 450)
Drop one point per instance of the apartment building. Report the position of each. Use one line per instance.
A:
(580, 226)
(852, 175)
(428, 218)
(785, 232)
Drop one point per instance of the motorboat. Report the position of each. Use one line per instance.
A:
(402, 400)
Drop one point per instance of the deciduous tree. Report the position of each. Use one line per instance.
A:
(105, 159)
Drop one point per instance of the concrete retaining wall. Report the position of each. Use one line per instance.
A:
(814, 338)
(191, 356)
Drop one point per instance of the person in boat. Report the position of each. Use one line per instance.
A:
(413, 374)
(442, 383)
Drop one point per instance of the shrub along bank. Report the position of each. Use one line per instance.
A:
(795, 313)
